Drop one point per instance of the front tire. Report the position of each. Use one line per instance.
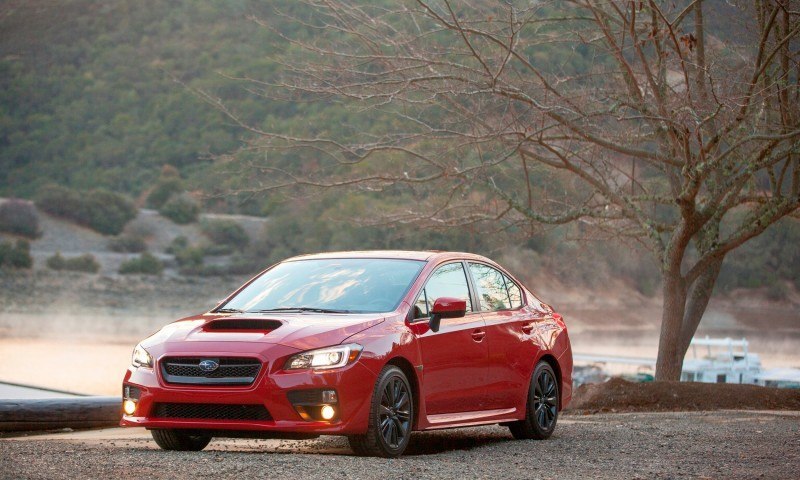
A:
(541, 410)
(390, 417)
(169, 439)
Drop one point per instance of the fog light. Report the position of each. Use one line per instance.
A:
(129, 406)
(327, 412)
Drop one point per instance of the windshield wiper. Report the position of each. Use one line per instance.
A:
(229, 310)
(299, 309)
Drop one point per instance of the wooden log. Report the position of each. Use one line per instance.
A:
(56, 413)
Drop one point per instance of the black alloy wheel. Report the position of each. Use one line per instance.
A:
(542, 406)
(394, 416)
(391, 417)
(545, 396)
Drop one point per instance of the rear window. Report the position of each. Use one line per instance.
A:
(496, 290)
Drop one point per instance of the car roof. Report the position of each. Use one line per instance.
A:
(422, 255)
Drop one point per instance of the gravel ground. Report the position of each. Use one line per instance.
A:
(722, 444)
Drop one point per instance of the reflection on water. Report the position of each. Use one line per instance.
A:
(72, 365)
(77, 352)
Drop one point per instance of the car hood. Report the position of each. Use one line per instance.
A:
(300, 331)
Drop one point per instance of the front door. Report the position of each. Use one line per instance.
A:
(454, 358)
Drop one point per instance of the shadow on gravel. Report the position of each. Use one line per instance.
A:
(431, 443)
(422, 443)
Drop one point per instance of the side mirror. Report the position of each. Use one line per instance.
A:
(446, 307)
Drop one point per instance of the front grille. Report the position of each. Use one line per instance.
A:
(211, 411)
(231, 371)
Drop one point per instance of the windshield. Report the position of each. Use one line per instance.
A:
(338, 285)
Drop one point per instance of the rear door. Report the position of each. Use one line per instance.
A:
(454, 358)
(509, 330)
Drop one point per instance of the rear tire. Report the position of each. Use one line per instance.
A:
(180, 441)
(541, 410)
(391, 417)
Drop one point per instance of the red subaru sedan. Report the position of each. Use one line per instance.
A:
(371, 345)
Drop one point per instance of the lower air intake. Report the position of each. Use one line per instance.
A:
(211, 411)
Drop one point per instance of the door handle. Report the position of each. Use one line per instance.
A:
(478, 335)
(527, 328)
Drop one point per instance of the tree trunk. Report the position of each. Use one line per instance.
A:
(670, 360)
(681, 314)
(697, 302)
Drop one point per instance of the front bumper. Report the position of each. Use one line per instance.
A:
(353, 384)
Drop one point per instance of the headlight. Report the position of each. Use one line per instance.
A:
(141, 358)
(325, 358)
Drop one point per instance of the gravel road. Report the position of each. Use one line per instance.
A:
(722, 444)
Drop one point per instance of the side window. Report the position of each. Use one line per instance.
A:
(514, 293)
(447, 281)
(491, 287)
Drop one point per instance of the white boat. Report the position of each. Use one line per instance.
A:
(709, 360)
(721, 360)
(782, 377)
(592, 373)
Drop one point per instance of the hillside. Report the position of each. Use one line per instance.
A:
(96, 93)
(158, 233)
(87, 94)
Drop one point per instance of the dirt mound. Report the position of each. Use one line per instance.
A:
(618, 395)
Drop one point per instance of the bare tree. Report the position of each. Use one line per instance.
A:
(633, 117)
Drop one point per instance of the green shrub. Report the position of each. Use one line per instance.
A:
(146, 264)
(82, 263)
(181, 209)
(16, 255)
(163, 190)
(218, 250)
(777, 292)
(190, 257)
(109, 211)
(178, 243)
(56, 262)
(226, 233)
(101, 210)
(20, 218)
(61, 202)
(243, 265)
(127, 244)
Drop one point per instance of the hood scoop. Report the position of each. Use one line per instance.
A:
(242, 324)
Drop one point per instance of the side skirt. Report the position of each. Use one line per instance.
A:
(464, 419)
